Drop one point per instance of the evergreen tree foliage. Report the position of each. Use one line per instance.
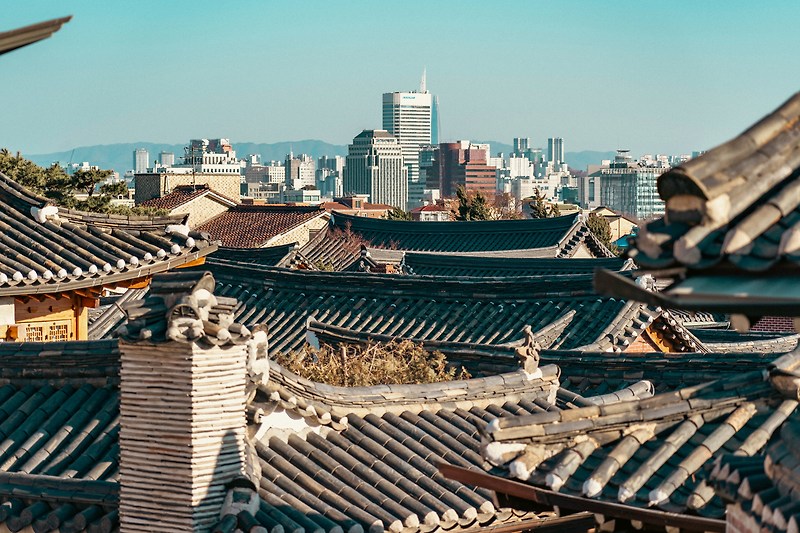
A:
(398, 214)
(472, 207)
(54, 183)
(601, 229)
(541, 209)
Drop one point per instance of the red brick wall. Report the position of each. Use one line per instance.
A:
(774, 323)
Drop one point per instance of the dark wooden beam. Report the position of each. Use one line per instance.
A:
(574, 503)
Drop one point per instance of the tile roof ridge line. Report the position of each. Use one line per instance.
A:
(20, 192)
(332, 395)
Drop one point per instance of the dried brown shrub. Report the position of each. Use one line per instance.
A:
(397, 362)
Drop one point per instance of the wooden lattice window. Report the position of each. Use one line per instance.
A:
(34, 333)
(59, 332)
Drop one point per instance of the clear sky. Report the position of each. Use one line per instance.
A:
(668, 77)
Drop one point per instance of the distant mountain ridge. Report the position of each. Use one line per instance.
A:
(119, 156)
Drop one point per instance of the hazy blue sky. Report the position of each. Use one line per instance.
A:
(650, 76)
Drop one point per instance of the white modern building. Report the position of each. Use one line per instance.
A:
(141, 160)
(375, 167)
(209, 162)
(408, 116)
(300, 171)
(166, 159)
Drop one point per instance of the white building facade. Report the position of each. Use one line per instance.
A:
(375, 166)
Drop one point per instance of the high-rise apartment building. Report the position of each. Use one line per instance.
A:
(521, 145)
(374, 166)
(555, 152)
(167, 159)
(408, 116)
(141, 160)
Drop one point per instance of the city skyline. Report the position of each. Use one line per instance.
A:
(678, 78)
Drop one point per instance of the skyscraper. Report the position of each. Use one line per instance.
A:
(555, 151)
(374, 166)
(408, 116)
(141, 160)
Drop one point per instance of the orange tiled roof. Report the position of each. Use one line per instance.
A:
(251, 226)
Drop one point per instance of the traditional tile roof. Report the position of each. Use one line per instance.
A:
(551, 237)
(280, 256)
(731, 341)
(183, 194)
(649, 452)
(330, 249)
(110, 314)
(376, 464)
(736, 204)
(425, 264)
(59, 409)
(466, 310)
(11, 40)
(764, 488)
(252, 226)
(45, 249)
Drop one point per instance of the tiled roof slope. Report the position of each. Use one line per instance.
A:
(468, 310)
(17, 38)
(251, 226)
(764, 488)
(184, 194)
(644, 453)
(59, 409)
(550, 237)
(72, 250)
(330, 249)
(269, 256)
(729, 341)
(425, 264)
(378, 469)
(736, 205)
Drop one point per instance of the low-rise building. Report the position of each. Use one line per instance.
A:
(430, 213)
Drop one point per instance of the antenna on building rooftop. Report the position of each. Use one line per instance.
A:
(423, 86)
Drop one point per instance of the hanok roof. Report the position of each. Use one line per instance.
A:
(764, 488)
(736, 203)
(426, 264)
(549, 237)
(720, 340)
(59, 425)
(252, 226)
(279, 256)
(183, 194)
(376, 465)
(466, 310)
(644, 453)
(14, 39)
(732, 214)
(46, 249)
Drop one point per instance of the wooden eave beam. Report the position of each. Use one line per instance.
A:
(574, 503)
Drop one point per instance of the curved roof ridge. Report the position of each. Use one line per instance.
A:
(313, 399)
(20, 193)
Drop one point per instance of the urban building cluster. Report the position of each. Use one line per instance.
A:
(160, 373)
(404, 165)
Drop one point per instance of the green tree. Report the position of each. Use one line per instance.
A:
(601, 229)
(542, 209)
(54, 183)
(398, 214)
(472, 207)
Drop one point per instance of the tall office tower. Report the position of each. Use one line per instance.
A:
(555, 151)
(329, 175)
(521, 145)
(299, 171)
(141, 160)
(436, 125)
(407, 116)
(375, 166)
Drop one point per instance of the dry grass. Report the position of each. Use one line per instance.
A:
(399, 362)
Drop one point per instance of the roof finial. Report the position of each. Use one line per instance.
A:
(423, 86)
